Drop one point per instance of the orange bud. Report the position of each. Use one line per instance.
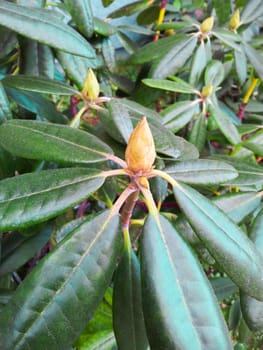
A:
(207, 25)
(91, 87)
(140, 152)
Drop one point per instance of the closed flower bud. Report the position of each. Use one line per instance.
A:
(140, 152)
(207, 91)
(91, 87)
(207, 25)
(234, 22)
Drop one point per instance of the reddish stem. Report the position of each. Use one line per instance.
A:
(241, 111)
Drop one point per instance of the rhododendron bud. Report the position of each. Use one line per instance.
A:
(207, 91)
(91, 87)
(140, 152)
(234, 22)
(207, 25)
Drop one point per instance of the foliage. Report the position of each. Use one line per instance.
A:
(131, 175)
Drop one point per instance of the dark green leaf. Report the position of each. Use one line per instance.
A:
(175, 58)
(197, 135)
(202, 172)
(76, 67)
(154, 50)
(177, 85)
(200, 60)
(225, 124)
(31, 198)
(103, 28)
(50, 29)
(222, 10)
(255, 143)
(17, 249)
(128, 320)
(81, 12)
(175, 317)
(241, 65)
(5, 112)
(36, 59)
(69, 295)
(44, 141)
(38, 84)
(226, 242)
(8, 41)
(129, 9)
(37, 104)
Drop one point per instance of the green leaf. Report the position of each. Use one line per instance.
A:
(177, 85)
(255, 143)
(51, 30)
(179, 305)
(214, 73)
(37, 104)
(8, 41)
(226, 242)
(227, 37)
(81, 12)
(129, 9)
(238, 205)
(241, 65)
(103, 28)
(5, 112)
(202, 172)
(128, 320)
(17, 249)
(55, 307)
(252, 11)
(200, 60)
(31, 198)
(98, 334)
(197, 135)
(175, 58)
(222, 10)
(38, 84)
(252, 309)
(154, 50)
(255, 58)
(225, 124)
(62, 144)
(177, 115)
(76, 67)
(36, 59)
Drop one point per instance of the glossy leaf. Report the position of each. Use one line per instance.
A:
(154, 50)
(200, 60)
(69, 295)
(35, 140)
(17, 249)
(254, 57)
(50, 29)
(223, 287)
(36, 59)
(77, 67)
(37, 104)
(252, 309)
(175, 58)
(225, 124)
(197, 135)
(202, 172)
(38, 84)
(227, 37)
(241, 65)
(255, 143)
(5, 112)
(174, 315)
(31, 198)
(222, 10)
(176, 85)
(226, 242)
(128, 320)
(129, 9)
(81, 12)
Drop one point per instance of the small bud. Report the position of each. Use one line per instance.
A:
(234, 22)
(91, 87)
(140, 152)
(207, 25)
(207, 91)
